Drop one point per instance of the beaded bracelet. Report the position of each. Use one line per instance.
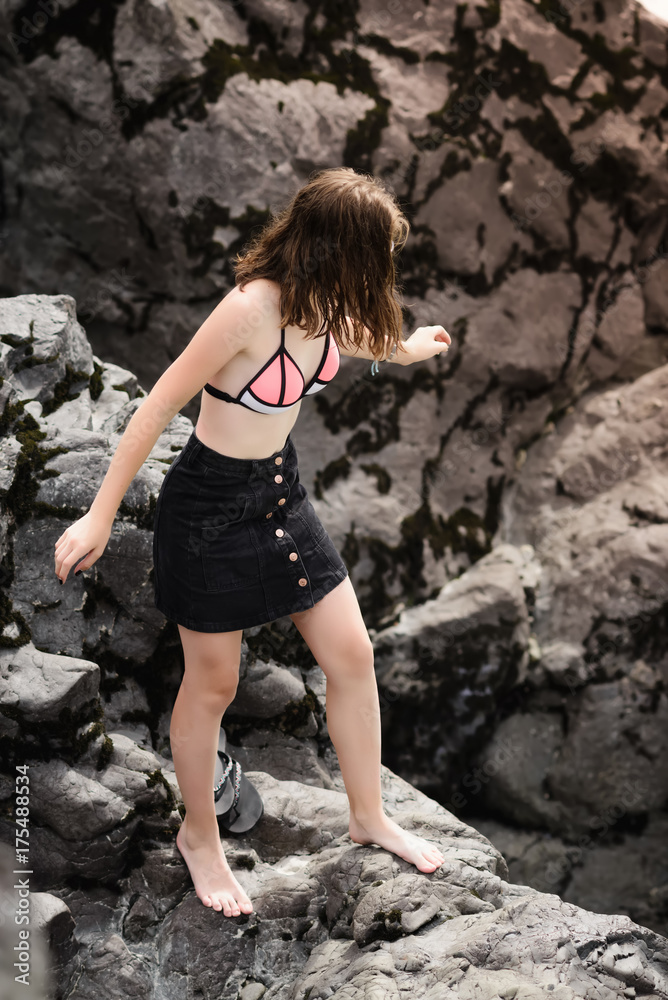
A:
(374, 364)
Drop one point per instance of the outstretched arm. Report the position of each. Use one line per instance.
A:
(222, 335)
(424, 343)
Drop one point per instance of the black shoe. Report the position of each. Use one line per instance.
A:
(237, 801)
(223, 790)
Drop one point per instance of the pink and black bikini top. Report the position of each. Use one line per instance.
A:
(280, 384)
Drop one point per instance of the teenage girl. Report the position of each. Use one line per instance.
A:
(236, 540)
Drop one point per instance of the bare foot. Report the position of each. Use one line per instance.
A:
(386, 833)
(214, 882)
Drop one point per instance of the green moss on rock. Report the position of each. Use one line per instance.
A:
(63, 390)
(337, 469)
(95, 382)
(29, 468)
(105, 754)
(383, 478)
(297, 713)
(364, 139)
(9, 616)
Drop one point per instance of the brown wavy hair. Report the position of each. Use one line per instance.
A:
(329, 251)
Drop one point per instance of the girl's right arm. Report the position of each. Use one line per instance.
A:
(222, 335)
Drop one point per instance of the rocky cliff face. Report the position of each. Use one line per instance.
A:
(142, 144)
(88, 677)
(502, 511)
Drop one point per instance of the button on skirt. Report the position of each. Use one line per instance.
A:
(237, 542)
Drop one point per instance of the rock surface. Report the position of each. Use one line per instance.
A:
(330, 916)
(502, 513)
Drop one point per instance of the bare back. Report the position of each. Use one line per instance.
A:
(231, 428)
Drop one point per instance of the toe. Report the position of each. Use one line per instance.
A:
(207, 900)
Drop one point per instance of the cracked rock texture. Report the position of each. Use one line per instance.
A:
(502, 511)
(88, 681)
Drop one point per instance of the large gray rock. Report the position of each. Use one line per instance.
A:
(41, 338)
(61, 425)
(454, 656)
(84, 817)
(266, 689)
(531, 157)
(52, 920)
(453, 213)
(526, 29)
(39, 687)
(210, 132)
(591, 501)
(313, 889)
(33, 978)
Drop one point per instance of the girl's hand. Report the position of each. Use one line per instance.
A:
(426, 342)
(83, 542)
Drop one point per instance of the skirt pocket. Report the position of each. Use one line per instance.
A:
(319, 534)
(220, 534)
(307, 515)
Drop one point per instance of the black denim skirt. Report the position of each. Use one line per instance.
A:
(237, 542)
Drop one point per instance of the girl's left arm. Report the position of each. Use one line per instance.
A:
(426, 342)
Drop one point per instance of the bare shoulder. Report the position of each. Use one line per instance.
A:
(259, 293)
(252, 312)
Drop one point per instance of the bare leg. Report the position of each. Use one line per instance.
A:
(208, 687)
(336, 634)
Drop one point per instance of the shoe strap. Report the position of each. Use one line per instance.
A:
(237, 783)
(226, 772)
